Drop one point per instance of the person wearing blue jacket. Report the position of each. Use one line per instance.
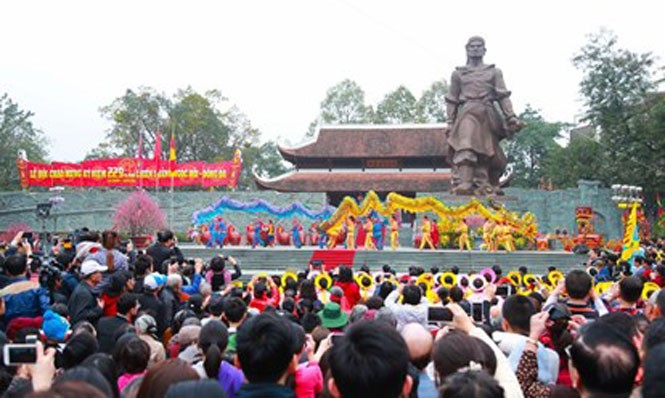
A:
(23, 298)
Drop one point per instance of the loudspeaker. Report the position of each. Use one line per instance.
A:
(44, 210)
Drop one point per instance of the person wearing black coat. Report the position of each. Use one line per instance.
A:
(109, 328)
(170, 297)
(152, 305)
(164, 249)
(84, 305)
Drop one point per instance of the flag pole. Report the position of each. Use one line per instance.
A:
(140, 156)
(158, 157)
(171, 161)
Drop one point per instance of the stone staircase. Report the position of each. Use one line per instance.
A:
(279, 259)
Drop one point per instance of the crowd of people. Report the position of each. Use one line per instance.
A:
(108, 322)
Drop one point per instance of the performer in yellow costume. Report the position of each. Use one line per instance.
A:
(427, 234)
(489, 236)
(463, 240)
(368, 226)
(333, 235)
(504, 237)
(394, 232)
(351, 233)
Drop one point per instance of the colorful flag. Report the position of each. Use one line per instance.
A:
(172, 148)
(631, 238)
(158, 146)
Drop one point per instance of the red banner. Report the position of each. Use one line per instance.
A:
(127, 172)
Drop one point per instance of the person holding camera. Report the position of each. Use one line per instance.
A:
(21, 244)
(50, 277)
(516, 313)
(66, 262)
(109, 256)
(413, 307)
(164, 249)
(218, 276)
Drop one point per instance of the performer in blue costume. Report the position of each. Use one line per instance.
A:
(295, 234)
(221, 234)
(214, 232)
(377, 232)
(323, 236)
(257, 234)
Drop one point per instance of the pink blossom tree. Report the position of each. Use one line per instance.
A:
(138, 215)
(13, 229)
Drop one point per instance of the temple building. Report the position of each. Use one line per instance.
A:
(353, 159)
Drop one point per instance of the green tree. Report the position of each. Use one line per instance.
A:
(345, 104)
(137, 113)
(651, 146)
(264, 160)
(270, 162)
(311, 129)
(102, 151)
(430, 107)
(397, 107)
(527, 150)
(580, 160)
(242, 133)
(618, 89)
(202, 132)
(17, 133)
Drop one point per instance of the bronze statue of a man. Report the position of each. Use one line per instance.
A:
(480, 115)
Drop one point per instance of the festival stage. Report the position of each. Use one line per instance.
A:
(280, 258)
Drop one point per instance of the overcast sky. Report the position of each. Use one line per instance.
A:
(275, 59)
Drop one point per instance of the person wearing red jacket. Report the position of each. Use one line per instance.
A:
(348, 285)
(261, 299)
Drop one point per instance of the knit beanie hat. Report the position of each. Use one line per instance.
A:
(55, 327)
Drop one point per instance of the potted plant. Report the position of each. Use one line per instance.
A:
(139, 217)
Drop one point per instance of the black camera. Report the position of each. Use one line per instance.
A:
(49, 275)
(439, 314)
(559, 312)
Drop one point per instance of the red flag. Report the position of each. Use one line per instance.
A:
(158, 146)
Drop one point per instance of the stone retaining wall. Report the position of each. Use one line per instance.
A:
(93, 207)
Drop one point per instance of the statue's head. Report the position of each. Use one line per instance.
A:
(475, 47)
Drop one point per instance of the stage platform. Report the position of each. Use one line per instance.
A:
(281, 258)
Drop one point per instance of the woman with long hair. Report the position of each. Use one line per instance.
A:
(213, 339)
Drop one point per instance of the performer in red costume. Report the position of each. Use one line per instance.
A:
(249, 231)
(435, 233)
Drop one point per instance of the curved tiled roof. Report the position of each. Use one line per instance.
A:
(373, 141)
(350, 181)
